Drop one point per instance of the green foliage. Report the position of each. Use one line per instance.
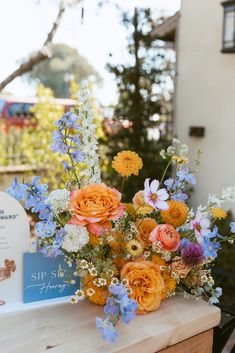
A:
(145, 86)
(36, 141)
(224, 266)
(57, 71)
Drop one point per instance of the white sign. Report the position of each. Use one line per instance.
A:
(14, 241)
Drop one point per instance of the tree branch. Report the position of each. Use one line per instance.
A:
(42, 54)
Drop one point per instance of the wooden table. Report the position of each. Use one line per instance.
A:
(182, 325)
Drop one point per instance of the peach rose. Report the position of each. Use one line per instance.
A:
(167, 236)
(179, 268)
(146, 284)
(145, 227)
(94, 206)
(140, 205)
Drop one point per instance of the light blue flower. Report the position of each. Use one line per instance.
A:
(45, 229)
(232, 227)
(17, 190)
(210, 248)
(107, 329)
(128, 309)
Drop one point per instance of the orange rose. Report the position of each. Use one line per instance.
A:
(140, 205)
(179, 267)
(145, 227)
(167, 236)
(146, 284)
(94, 206)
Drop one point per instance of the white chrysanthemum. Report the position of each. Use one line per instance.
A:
(75, 239)
(59, 200)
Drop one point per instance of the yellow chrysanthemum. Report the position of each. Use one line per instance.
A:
(176, 214)
(127, 163)
(218, 213)
(134, 248)
(130, 209)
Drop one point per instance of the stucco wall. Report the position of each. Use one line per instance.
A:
(205, 94)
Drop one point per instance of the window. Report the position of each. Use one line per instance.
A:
(229, 27)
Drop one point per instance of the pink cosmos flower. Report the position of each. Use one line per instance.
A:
(201, 225)
(154, 197)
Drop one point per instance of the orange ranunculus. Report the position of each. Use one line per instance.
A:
(94, 206)
(145, 227)
(167, 236)
(169, 282)
(140, 205)
(146, 284)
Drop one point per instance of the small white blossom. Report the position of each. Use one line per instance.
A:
(163, 154)
(79, 294)
(59, 200)
(90, 292)
(102, 281)
(75, 239)
(93, 272)
(115, 281)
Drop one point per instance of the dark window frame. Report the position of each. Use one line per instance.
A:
(225, 49)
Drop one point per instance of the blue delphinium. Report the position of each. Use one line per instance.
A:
(232, 227)
(107, 329)
(118, 305)
(45, 229)
(176, 186)
(66, 140)
(17, 190)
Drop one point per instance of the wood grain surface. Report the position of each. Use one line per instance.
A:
(67, 328)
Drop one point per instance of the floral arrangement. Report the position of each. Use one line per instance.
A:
(129, 256)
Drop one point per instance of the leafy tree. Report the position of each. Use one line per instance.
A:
(57, 71)
(145, 85)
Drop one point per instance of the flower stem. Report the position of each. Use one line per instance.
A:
(165, 171)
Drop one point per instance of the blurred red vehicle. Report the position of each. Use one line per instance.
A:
(16, 111)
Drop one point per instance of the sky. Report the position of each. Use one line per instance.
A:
(24, 25)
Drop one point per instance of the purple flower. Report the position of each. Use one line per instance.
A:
(154, 197)
(192, 254)
(201, 226)
(107, 329)
(78, 156)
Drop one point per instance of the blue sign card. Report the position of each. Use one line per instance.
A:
(42, 278)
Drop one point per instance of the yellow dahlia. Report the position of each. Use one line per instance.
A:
(127, 163)
(134, 248)
(176, 214)
(218, 213)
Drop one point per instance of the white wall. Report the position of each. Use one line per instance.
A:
(205, 94)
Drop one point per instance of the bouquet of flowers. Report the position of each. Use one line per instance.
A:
(129, 256)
